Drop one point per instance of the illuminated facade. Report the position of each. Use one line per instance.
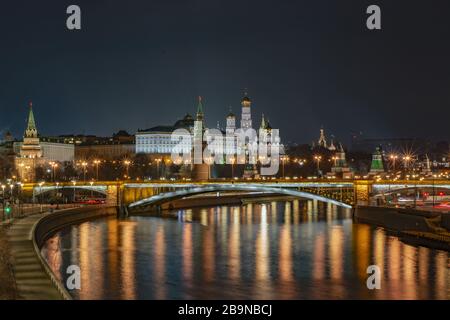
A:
(158, 140)
(30, 152)
(35, 151)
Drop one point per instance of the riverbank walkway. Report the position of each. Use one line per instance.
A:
(32, 281)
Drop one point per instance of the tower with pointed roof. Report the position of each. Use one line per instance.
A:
(340, 168)
(30, 153)
(322, 140)
(246, 116)
(377, 166)
(199, 123)
(30, 147)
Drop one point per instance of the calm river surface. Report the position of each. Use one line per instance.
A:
(275, 250)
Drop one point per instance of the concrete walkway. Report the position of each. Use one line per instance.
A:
(32, 281)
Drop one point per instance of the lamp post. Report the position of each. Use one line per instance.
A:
(334, 158)
(91, 183)
(318, 158)
(393, 158)
(127, 166)
(406, 160)
(167, 164)
(57, 196)
(96, 162)
(434, 190)
(283, 162)
(84, 165)
(54, 165)
(157, 160)
(40, 198)
(74, 184)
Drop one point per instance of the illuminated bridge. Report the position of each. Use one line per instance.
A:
(346, 193)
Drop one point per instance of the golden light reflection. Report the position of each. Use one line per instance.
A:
(113, 258)
(287, 213)
(128, 255)
(362, 250)
(208, 254)
(84, 262)
(336, 252)
(379, 248)
(409, 268)
(296, 211)
(423, 264)
(394, 270)
(262, 248)
(285, 249)
(318, 266)
(442, 270)
(160, 263)
(234, 256)
(187, 252)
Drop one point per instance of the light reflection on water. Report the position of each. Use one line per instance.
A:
(279, 250)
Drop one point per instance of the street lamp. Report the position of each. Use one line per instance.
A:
(96, 162)
(157, 160)
(91, 183)
(318, 158)
(84, 165)
(54, 165)
(393, 158)
(74, 184)
(283, 162)
(127, 165)
(406, 160)
(167, 163)
(40, 198)
(334, 158)
(434, 190)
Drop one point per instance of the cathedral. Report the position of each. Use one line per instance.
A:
(322, 142)
(250, 170)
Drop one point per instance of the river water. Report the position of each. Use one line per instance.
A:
(275, 250)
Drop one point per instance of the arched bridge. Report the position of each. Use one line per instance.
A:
(44, 189)
(178, 194)
(341, 192)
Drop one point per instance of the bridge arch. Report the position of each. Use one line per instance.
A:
(174, 195)
(38, 190)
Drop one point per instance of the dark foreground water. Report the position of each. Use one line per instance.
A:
(279, 250)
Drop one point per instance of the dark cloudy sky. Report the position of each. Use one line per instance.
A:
(137, 64)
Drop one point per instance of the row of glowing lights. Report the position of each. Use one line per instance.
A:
(209, 160)
(284, 159)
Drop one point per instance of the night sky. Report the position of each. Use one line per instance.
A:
(138, 64)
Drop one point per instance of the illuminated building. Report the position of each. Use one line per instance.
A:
(35, 151)
(377, 165)
(158, 140)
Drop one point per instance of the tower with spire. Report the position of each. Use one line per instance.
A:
(30, 147)
(246, 116)
(340, 168)
(30, 154)
(199, 123)
(377, 166)
(322, 140)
